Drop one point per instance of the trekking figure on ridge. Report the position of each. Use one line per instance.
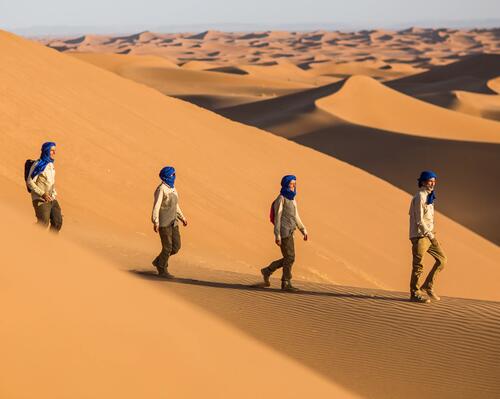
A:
(423, 239)
(165, 216)
(285, 217)
(40, 176)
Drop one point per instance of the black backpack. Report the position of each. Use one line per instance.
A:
(27, 167)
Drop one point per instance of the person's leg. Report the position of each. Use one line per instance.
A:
(437, 253)
(176, 240)
(267, 271)
(42, 212)
(419, 248)
(161, 261)
(288, 251)
(56, 219)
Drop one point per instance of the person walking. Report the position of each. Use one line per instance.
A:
(423, 239)
(165, 216)
(40, 181)
(286, 219)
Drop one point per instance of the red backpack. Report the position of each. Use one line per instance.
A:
(271, 213)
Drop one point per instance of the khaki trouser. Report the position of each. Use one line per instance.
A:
(421, 245)
(171, 244)
(48, 212)
(288, 252)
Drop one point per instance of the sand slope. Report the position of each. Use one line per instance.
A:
(75, 327)
(371, 341)
(210, 89)
(365, 102)
(114, 135)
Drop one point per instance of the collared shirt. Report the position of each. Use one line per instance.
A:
(286, 218)
(166, 210)
(44, 183)
(421, 216)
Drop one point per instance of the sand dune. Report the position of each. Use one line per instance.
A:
(413, 47)
(75, 327)
(365, 102)
(482, 105)
(206, 88)
(115, 135)
(448, 349)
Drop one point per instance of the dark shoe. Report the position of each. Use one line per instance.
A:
(162, 272)
(418, 298)
(265, 275)
(432, 295)
(286, 285)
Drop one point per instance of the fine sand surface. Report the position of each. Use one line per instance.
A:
(73, 326)
(371, 341)
(114, 135)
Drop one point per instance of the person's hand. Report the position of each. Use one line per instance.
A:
(155, 228)
(184, 222)
(434, 241)
(305, 237)
(46, 197)
(278, 242)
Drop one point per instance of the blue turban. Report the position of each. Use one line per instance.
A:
(45, 159)
(424, 176)
(167, 175)
(285, 190)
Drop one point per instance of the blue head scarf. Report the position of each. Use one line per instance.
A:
(285, 191)
(167, 175)
(424, 176)
(45, 159)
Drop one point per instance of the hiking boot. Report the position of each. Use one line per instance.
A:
(286, 285)
(417, 297)
(432, 295)
(162, 272)
(265, 275)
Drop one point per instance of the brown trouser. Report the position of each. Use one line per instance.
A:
(48, 212)
(171, 244)
(420, 246)
(288, 252)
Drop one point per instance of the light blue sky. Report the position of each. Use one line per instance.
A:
(150, 13)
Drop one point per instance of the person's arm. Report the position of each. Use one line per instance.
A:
(181, 216)
(423, 228)
(298, 221)
(32, 182)
(277, 219)
(158, 198)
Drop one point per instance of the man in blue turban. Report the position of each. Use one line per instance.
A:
(165, 216)
(41, 181)
(285, 216)
(423, 239)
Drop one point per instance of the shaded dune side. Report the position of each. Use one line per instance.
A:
(373, 342)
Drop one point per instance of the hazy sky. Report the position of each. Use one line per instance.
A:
(27, 13)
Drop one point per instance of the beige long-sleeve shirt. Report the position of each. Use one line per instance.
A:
(166, 210)
(286, 218)
(421, 216)
(44, 183)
